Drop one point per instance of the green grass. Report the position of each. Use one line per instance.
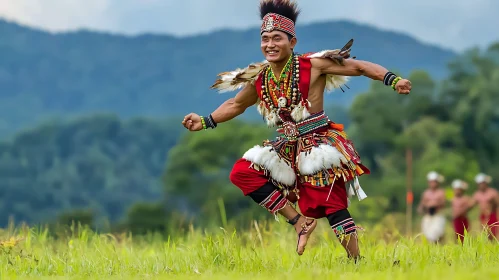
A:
(265, 251)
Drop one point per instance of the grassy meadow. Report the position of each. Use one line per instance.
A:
(264, 251)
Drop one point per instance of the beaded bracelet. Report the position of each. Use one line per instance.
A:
(395, 82)
(203, 123)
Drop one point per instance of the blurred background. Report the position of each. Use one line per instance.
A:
(92, 94)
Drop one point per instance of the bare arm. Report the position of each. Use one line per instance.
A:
(230, 109)
(234, 107)
(352, 67)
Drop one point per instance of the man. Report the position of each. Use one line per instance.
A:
(487, 199)
(431, 204)
(312, 161)
(460, 207)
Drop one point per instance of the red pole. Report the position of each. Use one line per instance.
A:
(410, 196)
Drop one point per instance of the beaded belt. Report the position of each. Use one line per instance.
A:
(294, 130)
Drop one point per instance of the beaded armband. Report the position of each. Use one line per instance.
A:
(395, 82)
(203, 122)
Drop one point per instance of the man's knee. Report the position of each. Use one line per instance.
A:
(246, 178)
(342, 223)
(242, 173)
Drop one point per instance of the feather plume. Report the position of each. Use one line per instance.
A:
(234, 80)
(285, 8)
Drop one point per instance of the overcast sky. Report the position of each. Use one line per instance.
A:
(455, 24)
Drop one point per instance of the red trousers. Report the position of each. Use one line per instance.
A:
(492, 222)
(461, 224)
(313, 200)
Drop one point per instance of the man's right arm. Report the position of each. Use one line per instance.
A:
(234, 107)
(230, 109)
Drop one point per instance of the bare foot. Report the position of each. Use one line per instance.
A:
(304, 228)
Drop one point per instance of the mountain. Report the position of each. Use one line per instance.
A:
(45, 75)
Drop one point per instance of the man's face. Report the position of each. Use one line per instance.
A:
(276, 46)
(433, 184)
(458, 192)
(482, 186)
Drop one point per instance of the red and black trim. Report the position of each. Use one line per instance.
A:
(274, 202)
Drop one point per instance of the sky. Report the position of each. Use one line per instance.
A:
(456, 25)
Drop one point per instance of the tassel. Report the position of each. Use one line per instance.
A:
(351, 191)
(360, 192)
(332, 186)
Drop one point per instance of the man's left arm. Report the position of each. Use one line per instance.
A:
(352, 67)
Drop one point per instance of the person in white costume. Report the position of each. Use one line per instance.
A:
(431, 205)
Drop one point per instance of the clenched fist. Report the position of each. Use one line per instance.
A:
(403, 86)
(192, 122)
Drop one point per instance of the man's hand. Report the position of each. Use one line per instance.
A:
(403, 86)
(192, 122)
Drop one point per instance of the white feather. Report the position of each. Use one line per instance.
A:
(278, 169)
(320, 158)
(247, 75)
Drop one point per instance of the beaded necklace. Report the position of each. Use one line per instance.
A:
(283, 92)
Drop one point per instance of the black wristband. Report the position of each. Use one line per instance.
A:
(388, 79)
(210, 122)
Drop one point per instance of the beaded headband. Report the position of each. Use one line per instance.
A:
(272, 21)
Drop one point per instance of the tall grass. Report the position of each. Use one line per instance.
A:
(263, 251)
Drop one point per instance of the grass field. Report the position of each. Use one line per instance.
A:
(266, 251)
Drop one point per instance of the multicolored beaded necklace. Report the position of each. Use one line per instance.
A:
(282, 92)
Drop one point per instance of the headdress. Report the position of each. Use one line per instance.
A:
(434, 176)
(483, 178)
(459, 184)
(278, 15)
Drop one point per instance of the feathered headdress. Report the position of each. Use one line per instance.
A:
(279, 15)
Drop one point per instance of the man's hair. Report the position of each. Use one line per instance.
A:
(285, 8)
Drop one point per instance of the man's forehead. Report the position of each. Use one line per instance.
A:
(273, 33)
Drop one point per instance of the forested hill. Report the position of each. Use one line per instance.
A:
(44, 74)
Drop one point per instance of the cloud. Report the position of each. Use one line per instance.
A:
(453, 24)
(57, 15)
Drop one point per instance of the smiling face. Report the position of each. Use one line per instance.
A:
(277, 46)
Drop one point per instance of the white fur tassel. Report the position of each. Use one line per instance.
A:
(335, 81)
(279, 170)
(300, 113)
(320, 158)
